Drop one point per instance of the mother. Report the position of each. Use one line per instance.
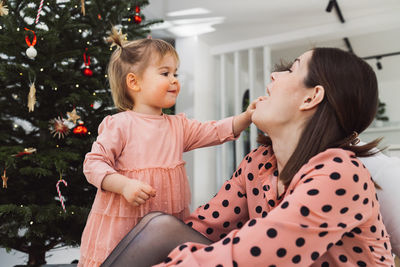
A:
(301, 198)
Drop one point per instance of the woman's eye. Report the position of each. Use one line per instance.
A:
(289, 70)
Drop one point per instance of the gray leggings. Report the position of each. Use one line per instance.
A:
(151, 240)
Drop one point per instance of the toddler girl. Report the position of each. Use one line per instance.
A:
(136, 162)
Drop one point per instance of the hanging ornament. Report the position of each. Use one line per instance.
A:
(58, 128)
(27, 151)
(83, 7)
(39, 10)
(31, 51)
(61, 198)
(86, 71)
(72, 116)
(32, 97)
(99, 16)
(137, 18)
(80, 130)
(4, 178)
(3, 9)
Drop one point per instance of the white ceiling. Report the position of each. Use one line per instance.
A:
(372, 26)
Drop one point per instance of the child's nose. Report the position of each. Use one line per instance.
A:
(174, 79)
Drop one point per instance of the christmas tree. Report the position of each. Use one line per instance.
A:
(53, 95)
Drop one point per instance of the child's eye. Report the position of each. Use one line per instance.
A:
(176, 75)
(165, 74)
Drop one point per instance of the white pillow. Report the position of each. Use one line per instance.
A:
(386, 173)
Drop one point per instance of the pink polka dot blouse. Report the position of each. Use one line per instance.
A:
(328, 216)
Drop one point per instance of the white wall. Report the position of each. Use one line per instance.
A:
(198, 100)
(389, 92)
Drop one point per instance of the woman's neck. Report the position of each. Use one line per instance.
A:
(284, 143)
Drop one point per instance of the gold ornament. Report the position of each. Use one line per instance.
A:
(3, 9)
(121, 37)
(32, 97)
(4, 178)
(83, 7)
(72, 116)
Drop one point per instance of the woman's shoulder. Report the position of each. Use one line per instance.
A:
(335, 162)
(337, 155)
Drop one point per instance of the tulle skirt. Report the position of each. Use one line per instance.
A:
(112, 217)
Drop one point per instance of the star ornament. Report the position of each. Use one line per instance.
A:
(3, 9)
(72, 116)
(58, 128)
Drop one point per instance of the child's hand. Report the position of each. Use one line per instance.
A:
(243, 120)
(252, 106)
(137, 192)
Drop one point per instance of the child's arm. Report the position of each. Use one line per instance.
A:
(243, 120)
(134, 191)
(100, 162)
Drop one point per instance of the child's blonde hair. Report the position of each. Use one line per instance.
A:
(132, 56)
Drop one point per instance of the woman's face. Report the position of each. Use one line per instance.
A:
(284, 96)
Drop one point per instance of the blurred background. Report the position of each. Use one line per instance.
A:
(227, 50)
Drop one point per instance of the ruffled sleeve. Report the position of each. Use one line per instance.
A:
(201, 134)
(100, 161)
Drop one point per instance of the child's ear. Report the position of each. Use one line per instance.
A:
(132, 82)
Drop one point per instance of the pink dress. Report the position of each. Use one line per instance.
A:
(329, 216)
(148, 148)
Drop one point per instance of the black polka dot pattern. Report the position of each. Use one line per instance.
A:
(315, 222)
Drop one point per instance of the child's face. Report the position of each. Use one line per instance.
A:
(159, 86)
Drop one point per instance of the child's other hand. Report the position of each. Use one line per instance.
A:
(137, 192)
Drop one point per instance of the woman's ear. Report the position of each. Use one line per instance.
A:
(132, 82)
(313, 98)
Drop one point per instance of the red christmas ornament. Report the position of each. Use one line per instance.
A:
(80, 129)
(87, 72)
(31, 51)
(137, 18)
